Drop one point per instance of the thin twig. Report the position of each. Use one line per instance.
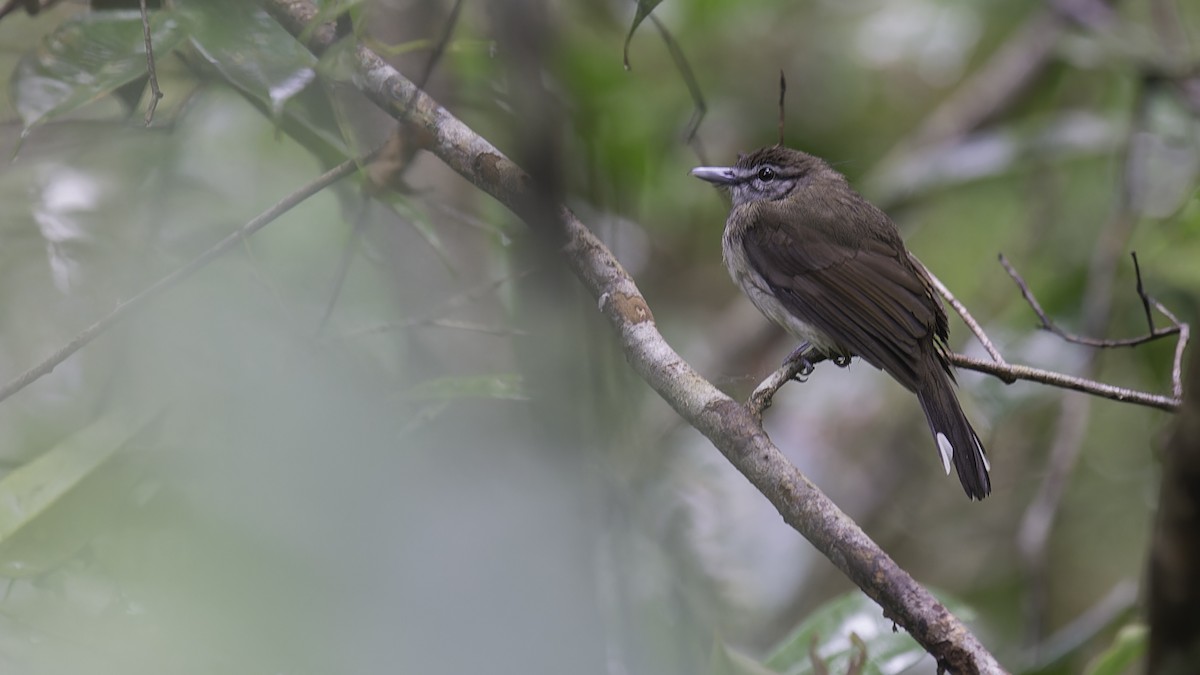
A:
(1049, 325)
(1180, 348)
(155, 92)
(440, 48)
(1141, 291)
(962, 312)
(1012, 372)
(125, 308)
(765, 392)
(782, 100)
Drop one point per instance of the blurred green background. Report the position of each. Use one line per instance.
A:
(457, 471)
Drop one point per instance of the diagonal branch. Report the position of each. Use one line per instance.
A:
(725, 422)
(962, 311)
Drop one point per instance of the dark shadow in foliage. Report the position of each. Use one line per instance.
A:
(1175, 553)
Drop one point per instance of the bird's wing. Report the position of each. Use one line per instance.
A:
(867, 296)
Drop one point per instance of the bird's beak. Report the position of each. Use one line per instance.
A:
(719, 175)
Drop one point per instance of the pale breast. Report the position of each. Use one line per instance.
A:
(756, 288)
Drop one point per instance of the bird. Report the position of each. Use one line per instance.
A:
(832, 270)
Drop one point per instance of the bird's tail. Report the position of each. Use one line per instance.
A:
(956, 440)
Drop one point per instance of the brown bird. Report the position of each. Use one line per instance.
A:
(829, 267)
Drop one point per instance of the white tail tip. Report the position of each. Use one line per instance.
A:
(946, 450)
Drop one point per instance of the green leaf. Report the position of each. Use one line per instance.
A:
(1127, 648)
(830, 630)
(510, 387)
(87, 57)
(644, 7)
(36, 492)
(251, 51)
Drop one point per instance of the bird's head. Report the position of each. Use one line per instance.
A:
(767, 174)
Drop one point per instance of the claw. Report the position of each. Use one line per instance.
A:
(799, 356)
(806, 369)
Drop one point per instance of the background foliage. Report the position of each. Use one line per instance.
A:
(457, 471)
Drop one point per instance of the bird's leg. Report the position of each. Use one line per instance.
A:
(797, 366)
(802, 360)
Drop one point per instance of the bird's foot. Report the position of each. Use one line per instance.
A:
(802, 362)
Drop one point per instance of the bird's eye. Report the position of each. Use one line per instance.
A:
(766, 174)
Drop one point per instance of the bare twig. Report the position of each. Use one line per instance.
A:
(1141, 291)
(1180, 349)
(440, 48)
(727, 424)
(782, 100)
(1011, 372)
(763, 394)
(155, 92)
(1049, 325)
(129, 306)
(962, 312)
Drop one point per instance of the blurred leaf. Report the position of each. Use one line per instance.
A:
(255, 54)
(510, 387)
(835, 624)
(31, 492)
(726, 661)
(644, 7)
(1127, 648)
(338, 68)
(87, 57)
